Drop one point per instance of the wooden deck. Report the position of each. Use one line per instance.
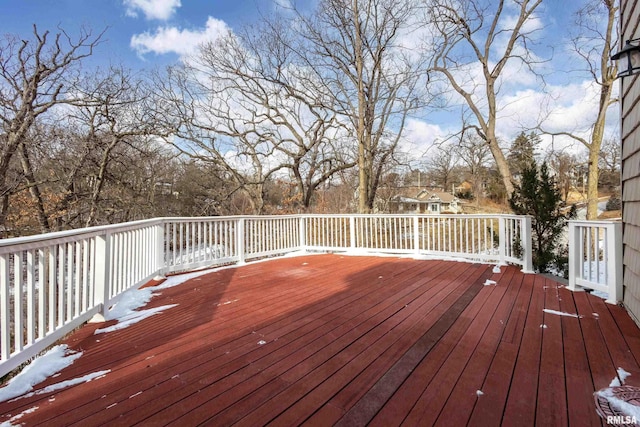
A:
(331, 339)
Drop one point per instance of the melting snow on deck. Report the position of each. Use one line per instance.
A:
(43, 367)
(59, 357)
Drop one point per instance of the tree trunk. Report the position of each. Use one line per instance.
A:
(592, 180)
(363, 173)
(27, 169)
(503, 168)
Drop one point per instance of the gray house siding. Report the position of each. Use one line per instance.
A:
(630, 134)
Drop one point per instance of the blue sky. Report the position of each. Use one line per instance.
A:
(154, 33)
(126, 20)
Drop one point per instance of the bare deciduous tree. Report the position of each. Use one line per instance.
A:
(610, 163)
(34, 77)
(564, 167)
(596, 24)
(475, 154)
(441, 165)
(355, 51)
(112, 111)
(478, 33)
(241, 104)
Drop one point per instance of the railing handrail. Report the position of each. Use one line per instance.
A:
(84, 232)
(67, 277)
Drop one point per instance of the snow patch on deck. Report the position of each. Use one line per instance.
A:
(133, 317)
(68, 383)
(619, 379)
(561, 313)
(41, 368)
(15, 418)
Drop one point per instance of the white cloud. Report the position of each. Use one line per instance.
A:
(152, 9)
(531, 25)
(175, 40)
(418, 138)
(286, 4)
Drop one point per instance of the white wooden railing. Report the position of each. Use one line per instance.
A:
(52, 283)
(595, 257)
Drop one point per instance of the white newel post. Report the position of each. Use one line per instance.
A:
(5, 323)
(575, 258)
(240, 240)
(527, 245)
(614, 262)
(502, 240)
(352, 232)
(160, 266)
(102, 275)
(416, 235)
(302, 233)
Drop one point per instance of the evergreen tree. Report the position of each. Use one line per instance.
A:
(522, 152)
(538, 195)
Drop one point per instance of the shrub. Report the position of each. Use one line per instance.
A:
(614, 203)
(538, 195)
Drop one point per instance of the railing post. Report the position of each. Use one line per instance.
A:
(160, 258)
(614, 262)
(102, 274)
(5, 323)
(352, 232)
(416, 235)
(575, 244)
(527, 244)
(502, 240)
(240, 240)
(302, 233)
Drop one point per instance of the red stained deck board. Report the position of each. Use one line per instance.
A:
(385, 352)
(602, 367)
(372, 402)
(349, 395)
(325, 364)
(618, 349)
(460, 404)
(253, 339)
(579, 383)
(430, 404)
(141, 371)
(627, 328)
(520, 408)
(239, 369)
(337, 335)
(396, 408)
(215, 383)
(489, 407)
(551, 403)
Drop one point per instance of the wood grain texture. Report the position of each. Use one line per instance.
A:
(342, 340)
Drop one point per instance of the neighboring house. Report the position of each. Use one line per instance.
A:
(440, 202)
(431, 202)
(630, 134)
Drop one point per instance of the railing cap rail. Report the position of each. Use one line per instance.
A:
(45, 239)
(594, 223)
(61, 236)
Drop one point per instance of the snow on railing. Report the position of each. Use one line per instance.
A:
(595, 257)
(52, 283)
